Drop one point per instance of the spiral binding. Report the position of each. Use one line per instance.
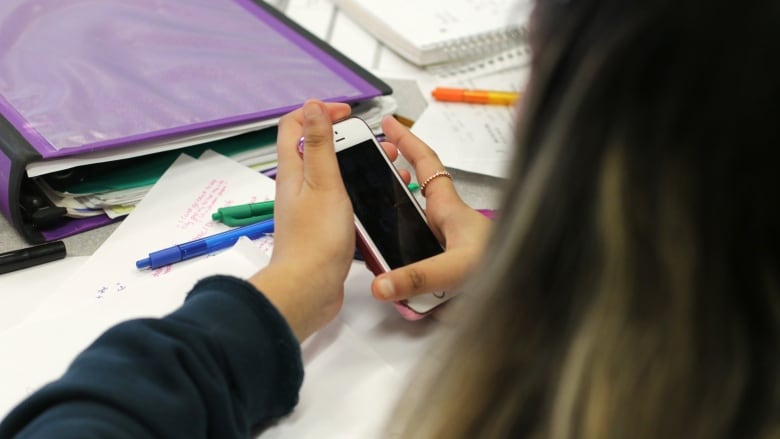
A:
(516, 57)
(480, 45)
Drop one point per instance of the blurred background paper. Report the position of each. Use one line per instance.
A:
(474, 137)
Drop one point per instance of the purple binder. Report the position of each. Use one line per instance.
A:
(78, 76)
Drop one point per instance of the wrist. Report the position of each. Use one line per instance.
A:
(276, 285)
(304, 305)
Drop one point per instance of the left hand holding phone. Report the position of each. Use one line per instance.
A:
(463, 231)
(314, 236)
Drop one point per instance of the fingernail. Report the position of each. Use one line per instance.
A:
(385, 288)
(312, 109)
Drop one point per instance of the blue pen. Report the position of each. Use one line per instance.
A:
(205, 245)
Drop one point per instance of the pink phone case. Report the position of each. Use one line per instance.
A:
(373, 265)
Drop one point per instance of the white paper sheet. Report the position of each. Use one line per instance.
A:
(108, 288)
(356, 368)
(21, 292)
(36, 169)
(39, 350)
(472, 137)
(176, 210)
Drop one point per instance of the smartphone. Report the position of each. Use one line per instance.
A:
(391, 227)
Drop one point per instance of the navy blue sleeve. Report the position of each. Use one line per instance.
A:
(223, 365)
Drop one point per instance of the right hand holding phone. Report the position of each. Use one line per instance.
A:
(462, 230)
(314, 236)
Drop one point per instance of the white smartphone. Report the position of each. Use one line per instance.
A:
(392, 230)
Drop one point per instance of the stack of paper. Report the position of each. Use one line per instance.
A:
(440, 32)
(115, 187)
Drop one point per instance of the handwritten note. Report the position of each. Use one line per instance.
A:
(472, 137)
(107, 288)
(176, 210)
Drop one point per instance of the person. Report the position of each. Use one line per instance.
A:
(632, 283)
(629, 287)
(228, 361)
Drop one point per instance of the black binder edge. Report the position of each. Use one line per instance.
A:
(19, 152)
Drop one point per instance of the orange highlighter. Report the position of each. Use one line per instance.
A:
(493, 97)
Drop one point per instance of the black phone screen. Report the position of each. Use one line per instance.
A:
(386, 211)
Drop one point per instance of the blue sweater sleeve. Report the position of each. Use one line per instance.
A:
(223, 365)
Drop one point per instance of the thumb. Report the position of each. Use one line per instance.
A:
(320, 168)
(426, 276)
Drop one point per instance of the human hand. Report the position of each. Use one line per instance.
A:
(314, 235)
(463, 231)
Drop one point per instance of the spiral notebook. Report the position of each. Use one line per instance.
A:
(428, 32)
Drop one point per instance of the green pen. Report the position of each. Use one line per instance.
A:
(244, 214)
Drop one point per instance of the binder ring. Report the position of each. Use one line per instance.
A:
(435, 175)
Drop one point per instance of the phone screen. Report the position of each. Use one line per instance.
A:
(384, 208)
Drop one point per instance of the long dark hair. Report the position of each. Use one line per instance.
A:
(632, 287)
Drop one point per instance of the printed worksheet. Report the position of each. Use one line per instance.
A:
(473, 137)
